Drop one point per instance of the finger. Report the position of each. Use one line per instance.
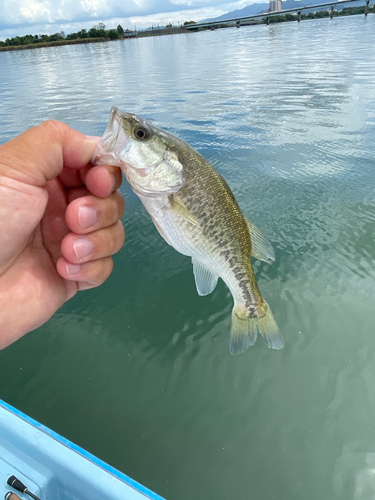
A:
(90, 213)
(40, 153)
(102, 180)
(89, 275)
(102, 243)
(70, 178)
(75, 193)
(53, 223)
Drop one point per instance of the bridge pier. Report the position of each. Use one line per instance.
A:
(367, 7)
(299, 16)
(267, 21)
(331, 12)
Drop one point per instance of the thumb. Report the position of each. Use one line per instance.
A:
(40, 153)
(26, 164)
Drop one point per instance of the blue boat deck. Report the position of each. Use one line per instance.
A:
(54, 468)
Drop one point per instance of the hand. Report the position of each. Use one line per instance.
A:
(59, 224)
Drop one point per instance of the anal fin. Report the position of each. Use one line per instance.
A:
(205, 280)
(261, 248)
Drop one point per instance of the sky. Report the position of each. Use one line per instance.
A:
(21, 17)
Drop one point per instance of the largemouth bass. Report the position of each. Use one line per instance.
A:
(195, 212)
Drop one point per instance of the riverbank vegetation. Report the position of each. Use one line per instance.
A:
(99, 33)
(51, 44)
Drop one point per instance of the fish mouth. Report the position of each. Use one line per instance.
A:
(113, 143)
(113, 147)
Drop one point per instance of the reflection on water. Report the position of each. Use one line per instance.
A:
(139, 371)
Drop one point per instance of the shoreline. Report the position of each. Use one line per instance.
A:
(54, 44)
(348, 11)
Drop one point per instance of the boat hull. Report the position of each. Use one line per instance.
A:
(54, 467)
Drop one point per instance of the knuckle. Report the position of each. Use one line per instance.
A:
(114, 237)
(119, 237)
(54, 126)
(98, 271)
(120, 204)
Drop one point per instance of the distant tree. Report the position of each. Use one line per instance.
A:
(120, 30)
(96, 33)
(26, 40)
(169, 25)
(101, 26)
(113, 35)
(82, 33)
(321, 13)
(189, 22)
(55, 37)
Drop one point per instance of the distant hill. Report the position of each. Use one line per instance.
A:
(260, 8)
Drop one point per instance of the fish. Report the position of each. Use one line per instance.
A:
(196, 213)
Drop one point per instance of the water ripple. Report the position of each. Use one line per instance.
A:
(286, 113)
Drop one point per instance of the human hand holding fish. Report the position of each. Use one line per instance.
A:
(59, 224)
(196, 213)
(59, 221)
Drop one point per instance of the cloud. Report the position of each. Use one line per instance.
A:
(18, 17)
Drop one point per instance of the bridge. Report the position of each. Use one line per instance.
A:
(267, 15)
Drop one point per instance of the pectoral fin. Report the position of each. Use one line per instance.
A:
(179, 208)
(205, 280)
(261, 248)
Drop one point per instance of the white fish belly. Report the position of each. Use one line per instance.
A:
(188, 240)
(180, 234)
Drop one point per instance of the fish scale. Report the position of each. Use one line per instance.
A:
(195, 211)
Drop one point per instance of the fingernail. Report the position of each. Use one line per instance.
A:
(86, 217)
(82, 248)
(72, 268)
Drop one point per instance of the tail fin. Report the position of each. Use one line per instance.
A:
(243, 332)
(269, 330)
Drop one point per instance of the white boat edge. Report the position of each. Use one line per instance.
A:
(51, 465)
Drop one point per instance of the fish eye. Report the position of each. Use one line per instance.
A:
(141, 133)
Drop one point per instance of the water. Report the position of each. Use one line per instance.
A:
(139, 371)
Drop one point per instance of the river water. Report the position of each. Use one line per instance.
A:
(138, 371)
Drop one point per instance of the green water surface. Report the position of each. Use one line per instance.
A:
(138, 371)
